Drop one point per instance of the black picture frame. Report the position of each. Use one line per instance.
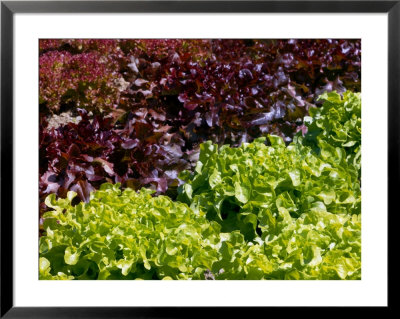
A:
(9, 8)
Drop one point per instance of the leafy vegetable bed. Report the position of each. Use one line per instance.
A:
(135, 111)
(264, 210)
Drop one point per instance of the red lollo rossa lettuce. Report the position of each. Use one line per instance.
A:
(89, 80)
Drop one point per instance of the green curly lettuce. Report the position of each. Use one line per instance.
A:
(317, 245)
(338, 123)
(298, 212)
(125, 235)
(259, 189)
(129, 235)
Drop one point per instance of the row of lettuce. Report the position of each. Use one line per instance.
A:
(263, 210)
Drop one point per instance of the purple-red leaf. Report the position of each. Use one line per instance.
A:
(83, 189)
(130, 143)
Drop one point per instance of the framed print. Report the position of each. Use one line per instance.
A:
(165, 157)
